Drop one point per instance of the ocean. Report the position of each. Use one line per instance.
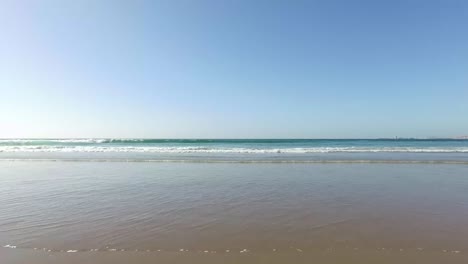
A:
(206, 150)
(233, 201)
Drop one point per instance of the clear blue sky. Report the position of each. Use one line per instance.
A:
(234, 69)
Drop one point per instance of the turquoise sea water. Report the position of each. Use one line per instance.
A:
(238, 149)
(238, 145)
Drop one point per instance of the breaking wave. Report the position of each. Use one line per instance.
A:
(195, 149)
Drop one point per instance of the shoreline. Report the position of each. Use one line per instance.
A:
(337, 256)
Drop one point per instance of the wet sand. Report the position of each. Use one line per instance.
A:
(133, 212)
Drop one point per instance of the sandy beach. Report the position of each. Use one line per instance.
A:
(121, 212)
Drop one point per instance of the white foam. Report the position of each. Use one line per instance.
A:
(453, 251)
(9, 246)
(233, 150)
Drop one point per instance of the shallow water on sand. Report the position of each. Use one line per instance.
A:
(99, 208)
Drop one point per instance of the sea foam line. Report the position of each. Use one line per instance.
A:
(221, 150)
(226, 251)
